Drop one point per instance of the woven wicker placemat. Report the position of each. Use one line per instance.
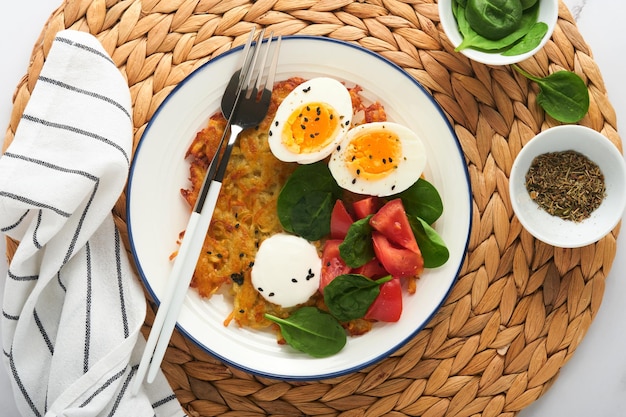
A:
(520, 307)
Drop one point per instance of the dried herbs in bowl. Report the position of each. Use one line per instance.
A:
(568, 186)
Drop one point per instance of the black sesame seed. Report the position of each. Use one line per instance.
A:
(251, 264)
(358, 172)
(242, 311)
(306, 90)
(384, 161)
(308, 108)
(271, 294)
(339, 148)
(260, 289)
(294, 280)
(303, 127)
(241, 255)
(312, 136)
(354, 181)
(270, 133)
(332, 116)
(237, 226)
(276, 123)
(237, 278)
(317, 119)
(219, 255)
(306, 119)
(393, 187)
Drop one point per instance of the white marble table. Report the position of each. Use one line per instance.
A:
(593, 383)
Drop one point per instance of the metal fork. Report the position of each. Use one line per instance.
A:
(246, 108)
(249, 110)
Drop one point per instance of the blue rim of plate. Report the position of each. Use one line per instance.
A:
(383, 355)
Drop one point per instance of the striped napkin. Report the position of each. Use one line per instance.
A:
(73, 309)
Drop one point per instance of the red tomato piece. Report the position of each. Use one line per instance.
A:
(332, 264)
(387, 306)
(366, 206)
(340, 221)
(391, 220)
(373, 269)
(397, 260)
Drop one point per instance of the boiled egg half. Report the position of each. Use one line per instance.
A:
(286, 270)
(380, 158)
(310, 121)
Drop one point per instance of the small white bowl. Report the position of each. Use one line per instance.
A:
(548, 13)
(552, 229)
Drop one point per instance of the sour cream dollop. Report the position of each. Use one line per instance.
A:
(286, 270)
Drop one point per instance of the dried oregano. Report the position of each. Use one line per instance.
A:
(566, 184)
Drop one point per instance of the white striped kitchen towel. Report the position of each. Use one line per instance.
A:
(73, 309)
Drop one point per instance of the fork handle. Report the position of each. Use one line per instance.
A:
(182, 272)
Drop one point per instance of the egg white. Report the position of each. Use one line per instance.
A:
(323, 90)
(409, 166)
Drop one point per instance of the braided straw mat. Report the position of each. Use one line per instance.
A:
(519, 308)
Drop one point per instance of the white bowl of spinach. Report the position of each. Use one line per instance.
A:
(498, 32)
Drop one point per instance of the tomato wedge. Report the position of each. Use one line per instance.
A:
(391, 220)
(397, 260)
(332, 264)
(387, 306)
(366, 206)
(373, 269)
(340, 221)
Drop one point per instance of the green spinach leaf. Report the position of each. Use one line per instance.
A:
(563, 95)
(357, 248)
(422, 200)
(433, 248)
(530, 41)
(471, 39)
(494, 19)
(310, 216)
(312, 331)
(304, 180)
(349, 296)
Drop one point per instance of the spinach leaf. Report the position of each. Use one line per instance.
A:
(530, 41)
(357, 248)
(349, 296)
(433, 248)
(310, 216)
(471, 39)
(527, 4)
(304, 180)
(312, 331)
(422, 200)
(563, 95)
(494, 19)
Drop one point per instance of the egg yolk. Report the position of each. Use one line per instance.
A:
(373, 154)
(310, 128)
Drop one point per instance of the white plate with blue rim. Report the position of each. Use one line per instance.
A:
(156, 212)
